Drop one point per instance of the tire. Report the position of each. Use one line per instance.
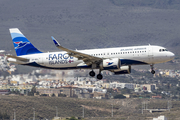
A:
(92, 73)
(99, 76)
(153, 72)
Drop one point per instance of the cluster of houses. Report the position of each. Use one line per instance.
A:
(62, 83)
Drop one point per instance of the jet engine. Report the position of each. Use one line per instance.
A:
(123, 70)
(110, 64)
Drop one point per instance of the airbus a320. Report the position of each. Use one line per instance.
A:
(117, 60)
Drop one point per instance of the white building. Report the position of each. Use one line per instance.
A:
(93, 89)
(162, 117)
(121, 85)
(84, 81)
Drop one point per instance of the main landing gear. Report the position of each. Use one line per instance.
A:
(92, 73)
(152, 69)
(99, 76)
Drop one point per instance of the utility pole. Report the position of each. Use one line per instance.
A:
(14, 114)
(83, 111)
(112, 111)
(142, 107)
(33, 113)
(146, 105)
(56, 111)
(169, 105)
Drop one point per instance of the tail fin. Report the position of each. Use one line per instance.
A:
(21, 43)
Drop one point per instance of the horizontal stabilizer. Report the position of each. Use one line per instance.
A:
(18, 58)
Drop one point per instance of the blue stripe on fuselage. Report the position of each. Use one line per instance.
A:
(124, 62)
(34, 64)
(132, 62)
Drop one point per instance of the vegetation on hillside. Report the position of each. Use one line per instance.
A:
(173, 4)
(45, 107)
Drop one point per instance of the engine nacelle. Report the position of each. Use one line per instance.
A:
(123, 70)
(111, 64)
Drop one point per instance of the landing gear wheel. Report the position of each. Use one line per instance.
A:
(99, 76)
(153, 72)
(152, 69)
(92, 73)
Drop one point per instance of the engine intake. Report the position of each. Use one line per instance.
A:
(110, 64)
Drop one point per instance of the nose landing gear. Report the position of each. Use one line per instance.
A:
(152, 69)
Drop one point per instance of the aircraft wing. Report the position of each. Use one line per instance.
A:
(18, 58)
(88, 59)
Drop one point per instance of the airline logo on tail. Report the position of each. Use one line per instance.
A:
(21, 44)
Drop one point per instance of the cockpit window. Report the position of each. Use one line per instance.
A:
(162, 50)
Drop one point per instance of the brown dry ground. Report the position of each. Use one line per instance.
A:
(94, 109)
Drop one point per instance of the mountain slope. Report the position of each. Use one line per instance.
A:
(85, 24)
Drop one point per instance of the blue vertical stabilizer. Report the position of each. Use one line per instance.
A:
(22, 45)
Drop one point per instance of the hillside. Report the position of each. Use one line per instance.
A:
(165, 4)
(85, 24)
(45, 107)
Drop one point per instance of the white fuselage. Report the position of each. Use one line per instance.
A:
(136, 55)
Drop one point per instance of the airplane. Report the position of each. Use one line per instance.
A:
(117, 60)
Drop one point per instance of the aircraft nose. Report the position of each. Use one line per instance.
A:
(171, 55)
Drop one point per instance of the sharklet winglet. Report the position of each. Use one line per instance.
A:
(55, 41)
